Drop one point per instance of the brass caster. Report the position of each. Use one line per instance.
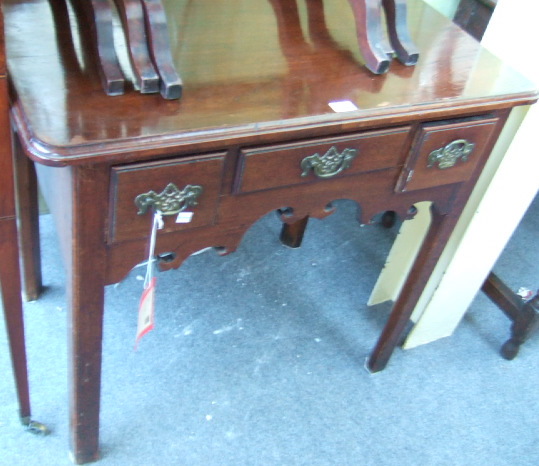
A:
(34, 427)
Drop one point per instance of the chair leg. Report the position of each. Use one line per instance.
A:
(368, 16)
(159, 46)
(525, 324)
(397, 25)
(132, 15)
(98, 14)
(525, 316)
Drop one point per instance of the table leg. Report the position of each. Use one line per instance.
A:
(28, 215)
(433, 245)
(85, 290)
(292, 233)
(10, 285)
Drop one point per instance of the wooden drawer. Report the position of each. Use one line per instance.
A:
(136, 190)
(307, 161)
(446, 153)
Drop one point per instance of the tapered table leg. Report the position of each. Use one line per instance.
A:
(10, 287)
(433, 245)
(85, 290)
(28, 215)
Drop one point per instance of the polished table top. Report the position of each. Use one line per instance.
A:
(284, 77)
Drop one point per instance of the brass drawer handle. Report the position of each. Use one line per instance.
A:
(446, 157)
(171, 201)
(330, 164)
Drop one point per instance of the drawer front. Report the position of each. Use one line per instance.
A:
(190, 186)
(446, 153)
(295, 163)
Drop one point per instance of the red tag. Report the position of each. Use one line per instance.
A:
(146, 311)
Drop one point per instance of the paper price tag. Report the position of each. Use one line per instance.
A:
(184, 217)
(146, 311)
(343, 106)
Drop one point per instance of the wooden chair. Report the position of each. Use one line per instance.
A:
(523, 314)
(145, 28)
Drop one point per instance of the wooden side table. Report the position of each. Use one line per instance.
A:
(261, 127)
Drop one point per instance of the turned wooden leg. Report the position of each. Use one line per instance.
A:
(524, 315)
(371, 40)
(159, 46)
(433, 245)
(292, 233)
(523, 327)
(85, 289)
(28, 215)
(132, 14)
(397, 25)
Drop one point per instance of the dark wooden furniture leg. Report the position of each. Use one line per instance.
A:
(368, 16)
(292, 233)
(85, 289)
(524, 315)
(28, 215)
(159, 45)
(98, 16)
(132, 14)
(397, 26)
(433, 245)
(10, 287)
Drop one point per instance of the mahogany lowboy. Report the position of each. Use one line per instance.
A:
(252, 133)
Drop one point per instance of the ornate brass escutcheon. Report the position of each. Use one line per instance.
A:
(446, 157)
(330, 164)
(171, 201)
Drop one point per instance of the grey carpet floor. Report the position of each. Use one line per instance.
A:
(257, 359)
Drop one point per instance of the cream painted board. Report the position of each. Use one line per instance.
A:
(505, 191)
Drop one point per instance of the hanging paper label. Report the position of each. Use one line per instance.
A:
(146, 311)
(184, 217)
(147, 301)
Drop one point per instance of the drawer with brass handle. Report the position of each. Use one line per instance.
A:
(445, 153)
(319, 159)
(183, 190)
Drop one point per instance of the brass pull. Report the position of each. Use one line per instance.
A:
(330, 164)
(446, 157)
(171, 201)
